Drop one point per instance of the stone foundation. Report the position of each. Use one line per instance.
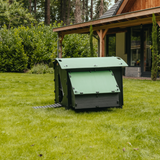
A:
(133, 71)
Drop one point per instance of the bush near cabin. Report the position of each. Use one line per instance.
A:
(23, 47)
(154, 69)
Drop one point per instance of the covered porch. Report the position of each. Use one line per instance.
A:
(119, 25)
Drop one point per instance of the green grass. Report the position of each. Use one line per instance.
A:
(66, 135)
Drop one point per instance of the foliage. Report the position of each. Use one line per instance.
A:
(41, 69)
(57, 133)
(91, 42)
(39, 44)
(111, 45)
(154, 69)
(64, 10)
(159, 64)
(97, 9)
(14, 15)
(76, 45)
(12, 54)
(23, 47)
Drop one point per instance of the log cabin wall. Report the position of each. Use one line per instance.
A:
(144, 4)
(135, 5)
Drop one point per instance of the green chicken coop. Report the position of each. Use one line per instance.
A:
(84, 83)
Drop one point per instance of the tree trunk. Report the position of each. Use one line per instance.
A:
(83, 10)
(61, 10)
(91, 9)
(47, 12)
(64, 11)
(101, 8)
(29, 7)
(77, 13)
(68, 12)
(86, 10)
(35, 7)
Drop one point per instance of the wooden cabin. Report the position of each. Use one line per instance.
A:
(123, 31)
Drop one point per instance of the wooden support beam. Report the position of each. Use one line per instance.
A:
(115, 25)
(158, 22)
(108, 20)
(101, 43)
(105, 32)
(101, 35)
(122, 7)
(98, 33)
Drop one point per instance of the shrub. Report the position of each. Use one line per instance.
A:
(76, 45)
(39, 44)
(12, 55)
(41, 69)
(159, 65)
(154, 69)
(23, 47)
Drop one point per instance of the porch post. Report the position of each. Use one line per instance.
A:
(101, 35)
(101, 43)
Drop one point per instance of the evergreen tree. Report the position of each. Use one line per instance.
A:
(13, 14)
(101, 6)
(154, 50)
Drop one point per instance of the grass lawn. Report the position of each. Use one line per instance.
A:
(61, 134)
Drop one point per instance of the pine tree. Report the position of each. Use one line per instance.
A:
(77, 12)
(154, 50)
(47, 12)
(91, 9)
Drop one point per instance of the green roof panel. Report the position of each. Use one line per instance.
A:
(93, 62)
(93, 82)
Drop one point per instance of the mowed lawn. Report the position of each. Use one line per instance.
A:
(131, 133)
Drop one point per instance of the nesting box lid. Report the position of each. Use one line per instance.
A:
(91, 62)
(95, 82)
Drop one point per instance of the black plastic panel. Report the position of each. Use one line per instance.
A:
(97, 101)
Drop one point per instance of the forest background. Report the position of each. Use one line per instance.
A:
(26, 36)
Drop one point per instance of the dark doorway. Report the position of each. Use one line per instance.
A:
(111, 45)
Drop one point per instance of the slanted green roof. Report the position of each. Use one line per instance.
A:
(94, 62)
(93, 82)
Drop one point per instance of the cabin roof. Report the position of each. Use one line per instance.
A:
(120, 21)
(113, 10)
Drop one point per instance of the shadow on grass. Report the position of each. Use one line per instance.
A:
(113, 109)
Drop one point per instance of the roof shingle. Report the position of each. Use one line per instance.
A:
(113, 10)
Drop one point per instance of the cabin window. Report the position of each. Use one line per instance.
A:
(135, 46)
(111, 45)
